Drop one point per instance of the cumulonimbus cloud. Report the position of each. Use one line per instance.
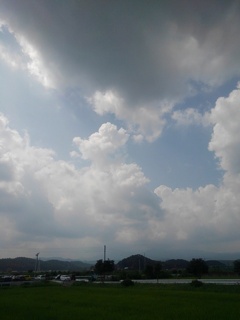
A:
(45, 198)
(209, 215)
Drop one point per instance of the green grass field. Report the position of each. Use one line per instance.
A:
(94, 301)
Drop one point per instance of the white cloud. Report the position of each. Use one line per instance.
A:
(26, 58)
(190, 116)
(102, 144)
(225, 140)
(47, 198)
(145, 122)
(35, 66)
(104, 102)
(9, 58)
(208, 217)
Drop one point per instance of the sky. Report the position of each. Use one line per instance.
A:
(119, 126)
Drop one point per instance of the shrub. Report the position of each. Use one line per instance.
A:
(127, 283)
(198, 267)
(26, 284)
(163, 274)
(196, 283)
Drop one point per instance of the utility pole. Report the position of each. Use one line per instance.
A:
(104, 253)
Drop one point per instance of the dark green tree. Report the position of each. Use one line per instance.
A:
(197, 267)
(153, 271)
(149, 271)
(237, 266)
(102, 267)
(157, 270)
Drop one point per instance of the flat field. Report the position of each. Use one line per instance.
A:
(94, 301)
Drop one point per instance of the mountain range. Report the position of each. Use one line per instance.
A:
(134, 262)
(28, 264)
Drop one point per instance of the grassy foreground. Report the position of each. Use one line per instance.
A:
(93, 301)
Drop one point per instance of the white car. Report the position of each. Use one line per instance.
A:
(40, 277)
(65, 278)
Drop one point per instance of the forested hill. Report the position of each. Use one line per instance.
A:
(136, 262)
(27, 264)
(140, 262)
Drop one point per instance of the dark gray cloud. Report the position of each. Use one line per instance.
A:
(139, 48)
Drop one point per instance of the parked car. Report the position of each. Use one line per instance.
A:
(81, 279)
(65, 278)
(18, 277)
(41, 277)
(6, 278)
